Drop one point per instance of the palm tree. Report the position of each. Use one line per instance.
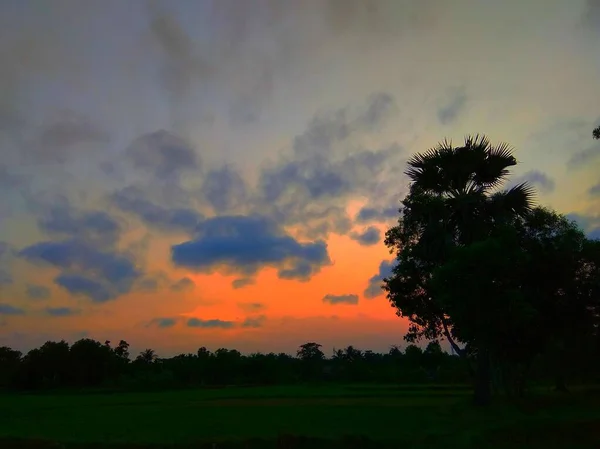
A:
(147, 356)
(454, 200)
(461, 184)
(597, 133)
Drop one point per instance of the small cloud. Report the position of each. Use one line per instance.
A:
(163, 322)
(584, 157)
(453, 106)
(594, 190)
(536, 178)
(251, 307)
(81, 285)
(210, 324)
(61, 311)
(341, 299)
(375, 283)
(37, 291)
(371, 214)
(254, 322)
(368, 237)
(183, 284)
(162, 154)
(245, 244)
(242, 282)
(7, 309)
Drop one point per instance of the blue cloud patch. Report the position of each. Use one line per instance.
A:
(372, 214)
(254, 322)
(536, 178)
(7, 309)
(374, 289)
(37, 291)
(183, 284)
(368, 237)
(453, 107)
(210, 324)
(341, 299)
(86, 270)
(61, 311)
(164, 322)
(244, 244)
(131, 200)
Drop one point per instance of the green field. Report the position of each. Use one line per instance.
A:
(410, 416)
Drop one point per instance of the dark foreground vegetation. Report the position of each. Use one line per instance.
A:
(513, 287)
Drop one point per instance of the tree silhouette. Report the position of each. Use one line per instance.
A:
(452, 202)
(596, 133)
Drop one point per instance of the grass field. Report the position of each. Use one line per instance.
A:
(410, 416)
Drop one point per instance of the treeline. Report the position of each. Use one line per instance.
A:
(90, 364)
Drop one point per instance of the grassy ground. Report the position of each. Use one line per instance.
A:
(412, 416)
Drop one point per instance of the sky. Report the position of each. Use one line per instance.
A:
(221, 173)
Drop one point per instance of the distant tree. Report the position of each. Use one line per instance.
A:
(597, 133)
(310, 351)
(147, 356)
(452, 202)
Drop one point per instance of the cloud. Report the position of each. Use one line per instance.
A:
(375, 282)
(61, 311)
(594, 190)
(131, 200)
(370, 236)
(341, 299)
(254, 322)
(5, 257)
(37, 291)
(453, 106)
(7, 309)
(62, 219)
(584, 157)
(245, 244)
(372, 214)
(225, 190)
(63, 138)
(210, 324)
(251, 307)
(163, 155)
(183, 284)
(100, 275)
(536, 178)
(242, 282)
(163, 322)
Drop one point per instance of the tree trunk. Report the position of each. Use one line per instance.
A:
(483, 387)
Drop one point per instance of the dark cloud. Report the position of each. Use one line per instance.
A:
(164, 322)
(37, 291)
(372, 214)
(183, 284)
(374, 288)
(584, 157)
(132, 200)
(247, 243)
(225, 190)
(210, 324)
(370, 236)
(100, 275)
(254, 322)
(242, 282)
(536, 178)
(58, 141)
(251, 307)
(341, 299)
(61, 311)
(453, 106)
(7, 309)
(61, 219)
(379, 108)
(162, 154)
(5, 256)
(594, 190)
